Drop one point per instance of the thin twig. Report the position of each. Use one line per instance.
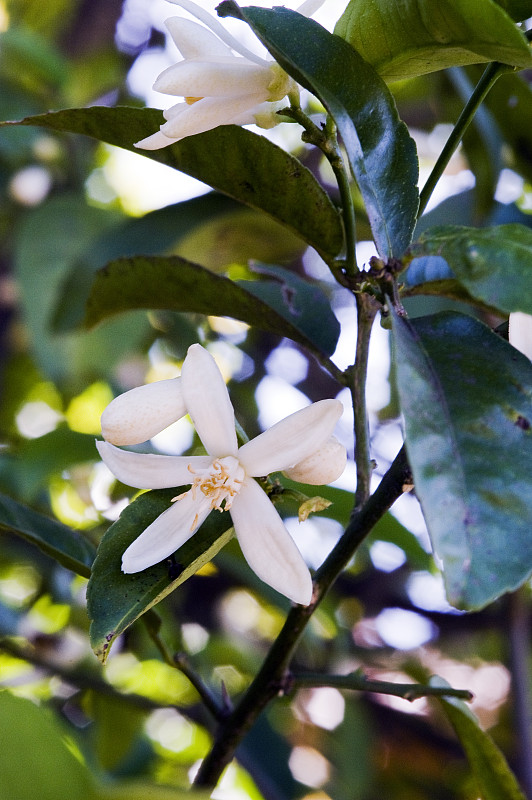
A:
(181, 662)
(357, 681)
(272, 677)
(366, 311)
(492, 72)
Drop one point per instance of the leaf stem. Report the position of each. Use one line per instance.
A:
(492, 72)
(326, 140)
(272, 678)
(357, 681)
(366, 312)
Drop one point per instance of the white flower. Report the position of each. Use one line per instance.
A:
(221, 81)
(223, 479)
(520, 332)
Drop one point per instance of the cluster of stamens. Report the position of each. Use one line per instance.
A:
(220, 482)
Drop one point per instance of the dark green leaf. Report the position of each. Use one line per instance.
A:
(418, 36)
(116, 600)
(66, 546)
(466, 396)
(175, 284)
(235, 161)
(494, 264)
(517, 9)
(54, 771)
(493, 777)
(381, 153)
(510, 103)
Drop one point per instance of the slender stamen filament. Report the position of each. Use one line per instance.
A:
(220, 482)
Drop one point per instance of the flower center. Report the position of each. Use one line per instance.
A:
(220, 482)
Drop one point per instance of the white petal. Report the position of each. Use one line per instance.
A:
(216, 27)
(166, 534)
(520, 332)
(291, 440)
(309, 7)
(155, 142)
(150, 471)
(208, 403)
(323, 466)
(137, 415)
(267, 546)
(209, 113)
(222, 78)
(195, 41)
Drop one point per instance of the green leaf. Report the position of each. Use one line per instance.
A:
(402, 40)
(493, 777)
(494, 264)
(466, 396)
(46, 252)
(116, 600)
(381, 152)
(53, 770)
(68, 547)
(237, 162)
(517, 9)
(292, 307)
(141, 790)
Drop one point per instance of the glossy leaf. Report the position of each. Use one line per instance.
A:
(66, 546)
(466, 396)
(494, 264)
(402, 40)
(291, 306)
(493, 777)
(55, 771)
(381, 152)
(235, 161)
(116, 600)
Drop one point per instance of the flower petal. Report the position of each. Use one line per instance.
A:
(149, 471)
(208, 403)
(323, 466)
(228, 77)
(195, 41)
(267, 546)
(290, 441)
(155, 141)
(217, 28)
(166, 534)
(520, 332)
(209, 113)
(137, 415)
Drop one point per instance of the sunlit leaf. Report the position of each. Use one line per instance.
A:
(235, 161)
(66, 546)
(55, 771)
(116, 600)
(381, 152)
(493, 777)
(466, 396)
(418, 36)
(288, 306)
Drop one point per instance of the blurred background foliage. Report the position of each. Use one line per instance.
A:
(67, 207)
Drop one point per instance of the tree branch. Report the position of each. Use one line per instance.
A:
(272, 677)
